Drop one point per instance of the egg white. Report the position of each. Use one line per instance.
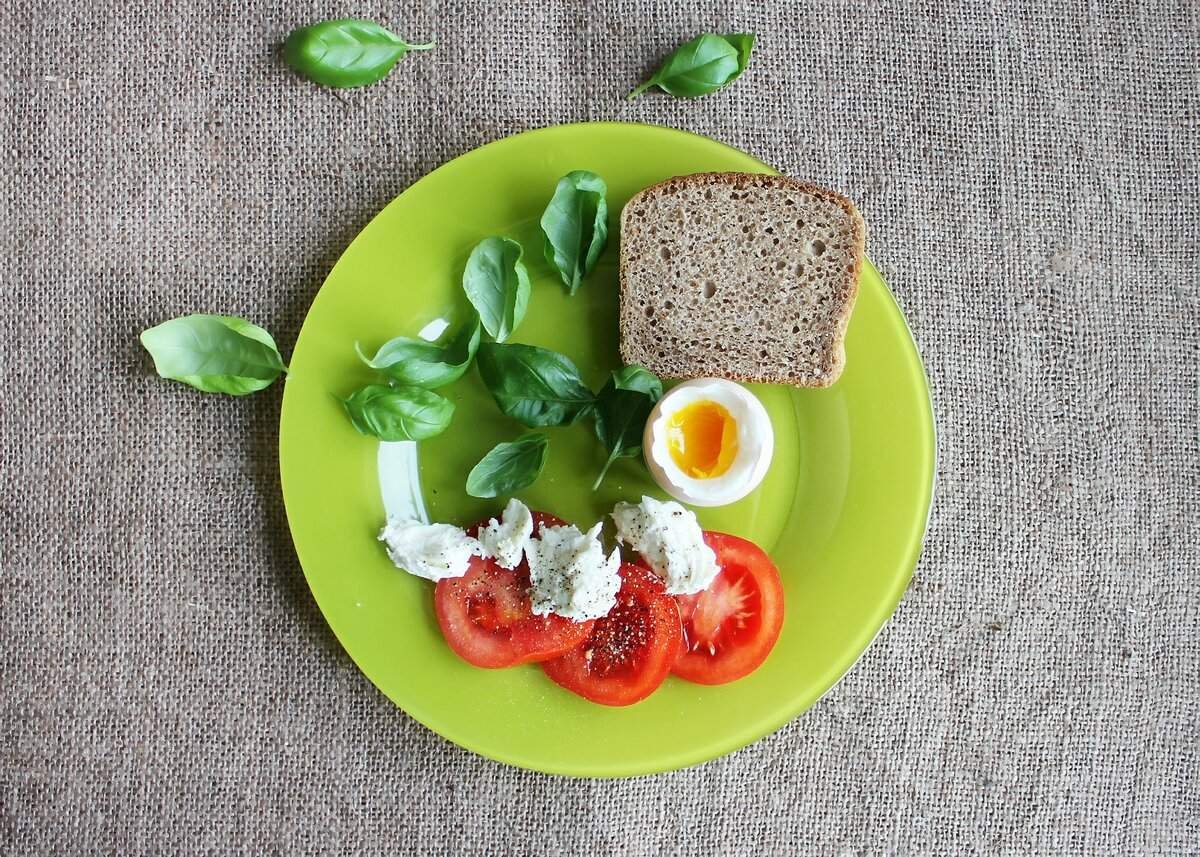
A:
(755, 443)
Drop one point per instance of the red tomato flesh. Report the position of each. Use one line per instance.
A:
(630, 651)
(731, 627)
(487, 619)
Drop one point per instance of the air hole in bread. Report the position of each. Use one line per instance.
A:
(665, 253)
(709, 290)
(649, 312)
(818, 247)
(795, 328)
(668, 305)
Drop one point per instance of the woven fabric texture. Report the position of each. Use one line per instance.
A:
(1029, 174)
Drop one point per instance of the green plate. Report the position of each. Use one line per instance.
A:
(842, 511)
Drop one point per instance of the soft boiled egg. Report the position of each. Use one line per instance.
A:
(708, 442)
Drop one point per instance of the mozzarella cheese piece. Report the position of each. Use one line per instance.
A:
(431, 551)
(670, 540)
(570, 575)
(505, 539)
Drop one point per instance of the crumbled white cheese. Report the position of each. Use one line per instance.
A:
(504, 540)
(670, 540)
(432, 551)
(570, 575)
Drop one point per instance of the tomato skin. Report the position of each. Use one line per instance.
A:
(630, 651)
(487, 619)
(730, 628)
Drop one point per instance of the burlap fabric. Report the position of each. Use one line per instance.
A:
(1029, 176)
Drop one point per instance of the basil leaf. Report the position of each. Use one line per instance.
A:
(575, 224)
(399, 413)
(417, 363)
(744, 44)
(703, 65)
(509, 467)
(214, 353)
(345, 52)
(535, 386)
(622, 408)
(497, 285)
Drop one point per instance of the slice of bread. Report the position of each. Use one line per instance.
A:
(740, 276)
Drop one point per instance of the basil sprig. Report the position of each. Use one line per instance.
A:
(398, 413)
(346, 52)
(622, 408)
(214, 353)
(417, 363)
(497, 285)
(703, 65)
(535, 386)
(509, 467)
(575, 224)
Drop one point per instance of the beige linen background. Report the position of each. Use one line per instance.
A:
(1029, 176)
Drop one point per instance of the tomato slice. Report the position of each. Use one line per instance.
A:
(731, 627)
(630, 651)
(487, 619)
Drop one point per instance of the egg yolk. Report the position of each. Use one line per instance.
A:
(702, 439)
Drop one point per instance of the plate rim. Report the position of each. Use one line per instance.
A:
(683, 759)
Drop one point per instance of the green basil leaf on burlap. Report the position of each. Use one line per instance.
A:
(703, 65)
(214, 353)
(345, 52)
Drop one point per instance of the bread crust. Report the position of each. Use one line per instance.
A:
(741, 181)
